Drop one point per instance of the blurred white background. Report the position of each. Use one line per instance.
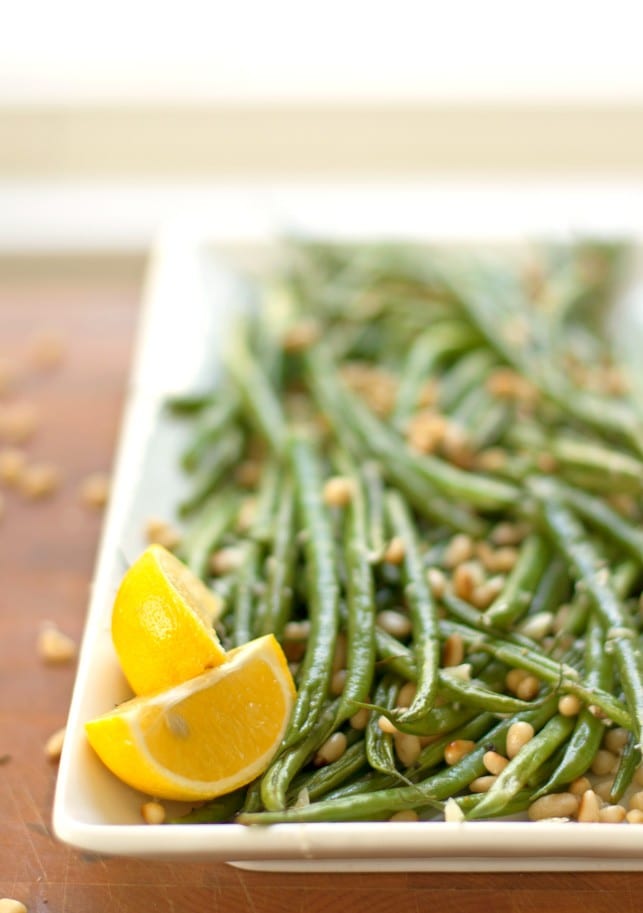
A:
(114, 115)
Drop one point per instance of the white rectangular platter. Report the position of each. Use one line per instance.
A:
(192, 291)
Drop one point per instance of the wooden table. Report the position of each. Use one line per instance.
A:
(47, 552)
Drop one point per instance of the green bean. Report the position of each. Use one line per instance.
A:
(332, 776)
(467, 374)
(518, 590)
(521, 767)
(379, 744)
(374, 493)
(423, 611)
(589, 729)
(275, 606)
(629, 762)
(209, 525)
(245, 595)
(587, 565)
(215, 422)
(323, 609)
(219, 461)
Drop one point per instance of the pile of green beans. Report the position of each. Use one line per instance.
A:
(423, 472)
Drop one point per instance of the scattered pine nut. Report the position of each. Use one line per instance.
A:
(514, 678)
(9, 905)
(452, 812)
(483, 595)
(517, 737)
(94, 489)
(248, 473)
(247, 514)
(153, 813)
(437, 582)
(499, 560)
(46, 350)
(338, 491)
(453, 650)
(569, 705)
(395, 551)
(589, 807)
(426, 431)
(301, 335)
(332, 749)
(634, 816)
(407, 814)
(54, 745)
(603, 762)
(528, 688)
(603, 788)
(494, 762)
(18, 422)
(611, 814)
(467, 576)
(54, 646)
(508, 533)
(636, 800)
(160, 532)
(457, 750)
(482, 784)
(579, 786)
(226, 561)
(554, 805)
(359, 720)
(406, 694)
(537, 626)
(394, 623)
(387, 726)
(407, 748)
(615, 739)
(12, 464)
(338, 682)
(39, 480)
(493, 459)
(459, 549)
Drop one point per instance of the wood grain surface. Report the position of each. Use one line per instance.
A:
(47, 552)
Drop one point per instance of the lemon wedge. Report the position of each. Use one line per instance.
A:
(162, 623)
(207, 736)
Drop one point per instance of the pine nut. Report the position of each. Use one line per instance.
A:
(405, 815)
(94, 490)
(54, 646)
(54, 745)
(453, 650)
(508, 533)
(407, 748)
(340, 655)
(579, 786)
(466, 578)
(634, 816)
(517, 737)
(514, 678)
(332, 749)
(497, 560)
(457, 749)
(459, 549)
(611, 814)
(528, 688)
(603, 762)
(226, 561)
(301, 335)
(297, 630)
(482, 784)
(18, 422)
(494, 762)
(359, 720)
(493, 459)
(406, 694)
(569, 705)
(395, 551)
(338, 491)
(554, 805)
(152, 813)
(589, 807)
(12, 464)
(636, 800)
(453, 812)
(615, 739)
(387, 726)
(437, 582)
(603, 788)
(338, 682)
(484, 595)
(39, 480)
(160, 532)
(394, 623)
(248, 473)
(537, 626)
(9, 905)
